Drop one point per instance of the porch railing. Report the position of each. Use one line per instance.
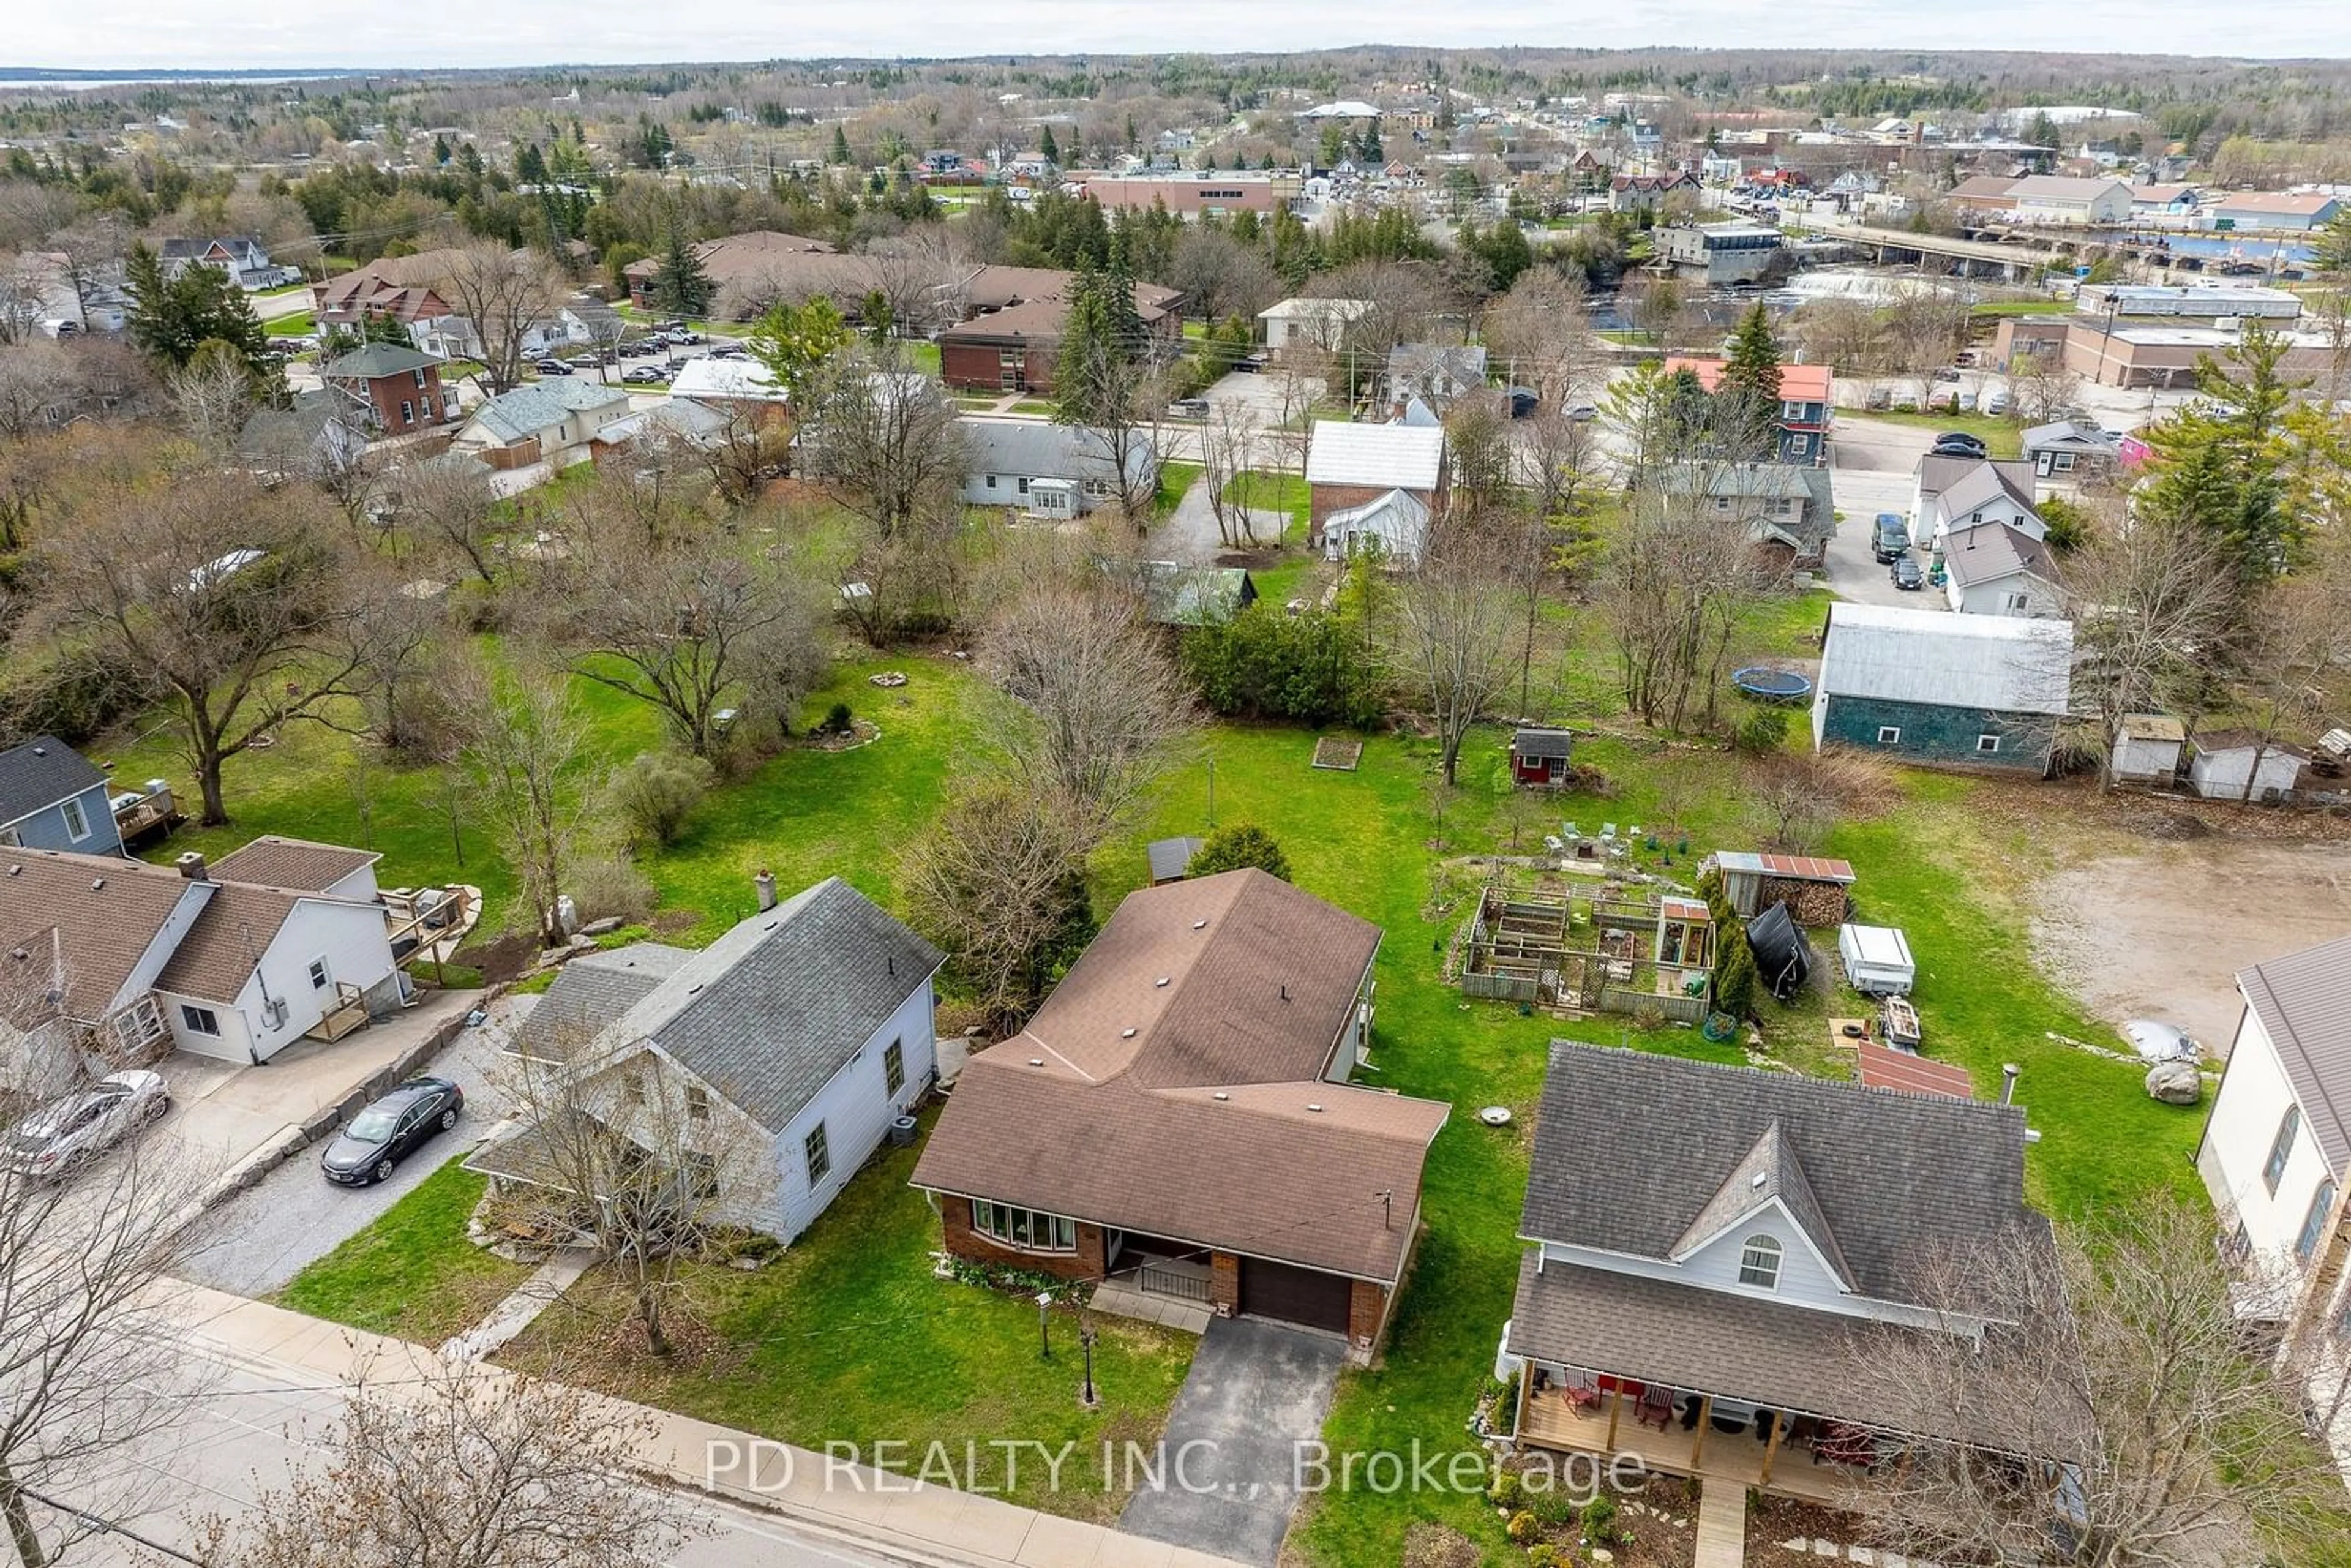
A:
(1185, 1283)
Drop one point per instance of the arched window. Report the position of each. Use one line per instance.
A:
(2282, 1148)
(2322, 1204)
(1759, 1263)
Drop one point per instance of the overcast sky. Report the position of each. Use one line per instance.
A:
(191, 34)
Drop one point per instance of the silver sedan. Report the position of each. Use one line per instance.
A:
(70, 1132)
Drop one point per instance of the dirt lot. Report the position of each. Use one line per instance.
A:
(2161, 931)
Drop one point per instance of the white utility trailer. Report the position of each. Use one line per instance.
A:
(1876, 959)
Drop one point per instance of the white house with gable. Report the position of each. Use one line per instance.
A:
(784, 1050)
(2276, 1158)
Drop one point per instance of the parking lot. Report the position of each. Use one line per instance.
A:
(1875, 465)
(256, 1241)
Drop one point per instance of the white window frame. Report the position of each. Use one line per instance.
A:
(1987, 744)
(1760, 1260)
(1019, 1229)
(2061, 462)
(200, 1021)
(70, 809)
(2282, 1148)
(322, 977)
(1890, 735)
(816, 1155)
(407, 411)
(2015, 603)
(2314, 1222)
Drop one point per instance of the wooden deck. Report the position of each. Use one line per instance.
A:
(1737, 1457)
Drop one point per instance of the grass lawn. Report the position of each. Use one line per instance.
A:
(1993, 310)
(1175, 480)
(293, 326)
(1263, 492)
(412, 1273)
(1034, 405)
(922, 356)
(848, 1338)
(2002, 438)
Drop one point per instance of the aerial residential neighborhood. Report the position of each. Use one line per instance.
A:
(1535, 801)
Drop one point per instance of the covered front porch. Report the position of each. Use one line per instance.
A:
(1679, 1433)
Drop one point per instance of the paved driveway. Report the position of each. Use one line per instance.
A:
(1255, 1393)
(256, 1241)
(1876, 465)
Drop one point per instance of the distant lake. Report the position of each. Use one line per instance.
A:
(84, 84)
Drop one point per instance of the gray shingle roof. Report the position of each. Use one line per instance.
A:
(1990, 551)
(370, 361)
(1997, 663)
(1170, 857)
(591, 992)
(1893, 1178)
(1039, 450)
(2304, 1003)
(1769, 1174)
(767, 1014)
(1769, 1353)
(518, 415)
(40, 773)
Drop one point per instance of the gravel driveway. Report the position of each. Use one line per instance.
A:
(256, 1241)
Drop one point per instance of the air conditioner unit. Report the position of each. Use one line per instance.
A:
(273, 1012)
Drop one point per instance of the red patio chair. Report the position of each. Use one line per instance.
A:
(1656, 1406)
(1582, 1390)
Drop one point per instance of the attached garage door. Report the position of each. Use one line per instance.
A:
(1294, 1295)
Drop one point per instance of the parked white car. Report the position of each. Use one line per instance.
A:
(71, 1131)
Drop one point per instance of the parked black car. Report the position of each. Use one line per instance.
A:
(390, 1129)
(1960, 444)
(552, 367)
(1909, 575)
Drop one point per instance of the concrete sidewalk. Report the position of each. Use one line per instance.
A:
(893, 1512)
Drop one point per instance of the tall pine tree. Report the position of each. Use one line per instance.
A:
(682, 286)
(172, 318)
(1747, 398)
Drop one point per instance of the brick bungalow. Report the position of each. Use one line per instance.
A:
(1177, 1117)
(393, 390)
(1013, 336)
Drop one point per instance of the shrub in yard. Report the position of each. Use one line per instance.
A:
(603, 888)
(1507, 1490)
(1543, 1555)
(1736, 980)
(1265, 663)
(1762, 732)
(838, 719)
(1599, 1517)
(1236, 845)
(655, 791)
(1523, 1527)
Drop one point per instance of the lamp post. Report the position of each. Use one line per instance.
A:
(1044, 1326)
(1087, 1396)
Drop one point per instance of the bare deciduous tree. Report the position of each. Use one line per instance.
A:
(1228, 438)
(521, 740)
(889, 439)
(449, 502)
(685, 622)
(2147, 599)
(1543, 335)
(233, 597)
(435, 1464)
(213, 394)
(1450, 635)
(503, 293)
(1102, 703)
(90, 1365)
(1805, 793)
(1000, 883)
(1671, 584)
(2111, 1415)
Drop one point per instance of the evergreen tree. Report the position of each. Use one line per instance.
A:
(1747, 398)
(1370, 153)
(530, 166)
(469, 158)
(170, 319)
(2331, 244)
(441, 152)
(1236, 845)
(682, 286)
(1049, 149)
(840, 153)
(2220, 464)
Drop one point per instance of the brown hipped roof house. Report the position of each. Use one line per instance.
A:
(1177, 1116)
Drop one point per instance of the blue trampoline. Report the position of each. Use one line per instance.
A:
(1772, 686)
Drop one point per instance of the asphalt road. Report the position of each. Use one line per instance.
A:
(247, 1425)
(260, 1240)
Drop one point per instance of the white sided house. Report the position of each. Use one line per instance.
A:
(2276, 1158)
(780, 1054)
(1997, 568)
(237, 961)
(1955, 493)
